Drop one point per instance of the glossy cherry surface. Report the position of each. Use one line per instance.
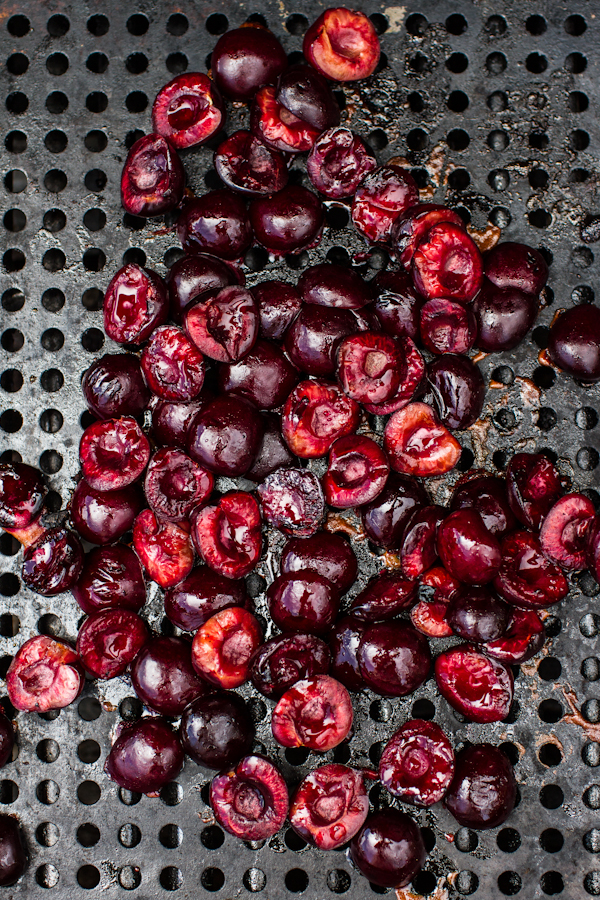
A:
(417, 764)
(478, 615)
(447, 326)
(245, 59)
(329, 806)
(574, 342)
(203, 593)
(386, 595)
(565, 531)
(264, 376)
(217, 730)
(316, 713)
(145, 756)
(223, 326)
(315, 414)
(175, 485)
(468, 550)
(327, 284)
(278, 305)
(479, 688)
(534, 484)
(292, 500)
(488, 495)
(114, 386)
(163, 676)
(447, 263)
(285, 659)
(250, 801)
(418, 547)
(22, 493)
(188, 110)
(13, 850)
(394, 658)
(172, 365)
(224, 437)
(330, 555)
(411, 227)
(503, 316)
(458, 390)
(303, 601)
(526, 577)
(245, 164)
(484, 789)
(215, 223)
(344, 641)
(380, 198)
(398, 304)
(153, 178)
(513, 265)
(192, 276)
(523, 638)
(313, 337)
(102, 517)
(109, 641)
(53, 563)
(356, 472)
(385, 518)
(389, 849)
(342, 44)
(288, 221)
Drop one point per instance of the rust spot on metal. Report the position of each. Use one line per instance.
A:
(530, 394)
(439, 893)
(485, 238)
(591, 729)
(337, 522)
(480, 356)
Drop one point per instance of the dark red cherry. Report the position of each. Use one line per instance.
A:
(338, 162)
(308, 96)
(447, 326)
(215, 223)
(22, 493)
(102, 517)
(245, 59)
(113, 453)
(418, 444)
(217, 730)
(410, 227)
(468, 550)
(192, 276)
(245, 164)
(344, 641)
(385, 596)
(250, 801)
(53, 563)
(225, 436)
(488, 495)
(163, 676)
(330, 555)
(523, 638)
(228, 536)
(13, 850)
(285, 659)
(380, 198)
(327, 284)
(385, 517)
(389, 849)
(109, 641)
(313, 337)
(272, 453)
(188, 110)
(478, 615)
(175, 485)
(357, 471)
(164, 548)
(288, 221)
(330, 805)
(483, 791)
(135, 303)
(574, 342)
(265, 376)
(447, 263)
(278, 305)
(45, 674)
(418, 547)
(171, 419)
(172, 365)
(478, 687)
(153, 177)
(315, 415)
(304, 601)
(534, 484)
(417, 764)
(503, 316)
(394, 658)
(111, 579)
(526, 577)
(277, 127)
(223, 647)
(315, 713)
(292, 500)
(342, 45)
(145, 756)
(397, 304)
(369, 367)
(203, 593)
(565, 530)
(114, 386)
(512, 265)
(7, 740)
(411, 369)
(458, 390)
(224, 326)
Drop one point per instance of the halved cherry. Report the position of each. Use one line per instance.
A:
(110, 640)
(411, 371)
(342, 44)
(534, 484)
(411, 227)
(386, 595)
(418, 549)
(417, 764)
(488, 495)
(523, 638)
(192, 276)
(52, 563)
(338, 162)
(22, 493)
(564, 532)
(356, 472)
(45, 674)
(225, 326)
(172, 365)
(228, 536)
(369, 367)
(278, 305)
(250, 801)
(380, 198)
(447, 326)
(188, 110)
(153, 178)
(526, 577)
(315, 414)
(175, 484)
(135, 303)
(223, 647)
(418, 444)
(245, 164)
(429, 617)
(330, 805)
(165, 549)
(277, 127)
(447, 263)
(113, 453)
(316, 713)
(479, 688)
(292, 500)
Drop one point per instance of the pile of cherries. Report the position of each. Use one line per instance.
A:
(224, 382)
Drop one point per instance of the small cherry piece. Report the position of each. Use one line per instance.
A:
(316, 713)
(278, 305)
(7, 741)
(145, 756)
(315, 414)
(564, 532)
(172, 365)
(285, 659)
(245, 59)
(45, 674)
(483, 791)
(109, 641)
(153, 177)
(342, 45)
(389, 849)
(356, 472)
(447, 326)
(224, 437)
(22, 493)
(447, 263)
(526, 577)
(327, 284)
(189, 604)
(225, 326)
(344, 641)
(53, 563)
(410, 228)
(245, 164)
(165, 549)
(429, 617)
(228, 536)
(574, 342)
(113, 453)
(385, 518)
(303, 601)
(534, 484)
(468, 550)
(188, 110)
(512, 265)
(289, 221)
(477, 615)
(386, 595)
(489, 496)
(278, 128)
(417, 764)
(102, 517)
(163, 676)
(223, 646)
(292, 500)
(216, 223)
(328, 554)
(217, 730)
(524, 637)
(250, 801)
(418, 444)
(13, 850)
(114, 386)
(383, 195)
(135, 303)
(338, 162)
(479, 688)
(369, 366)
(394, 659)
(418, 548)
(175, 485)
(329, 806)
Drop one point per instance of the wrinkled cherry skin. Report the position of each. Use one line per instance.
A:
(417, 443)
(397, 304)
(292, 500)
(265, 376)
(305, 602)
(278, 305)
(113, 453)
(217, 730)
(145, 756)
(288, 221)
(483, 791)
(410, 228)
(225, 436)
(533, 484)
(7, 742)
(273, 453)
(188, 110)
(385, 518)
(114, 386)
(163, 676)
(312, 338)
(524, 637)
(175, 485)
(285, 659)
(447, 326)
(369, 367)
(245, 59)
(447, 263)
(153, 177)
(250, 801)
(171, 419)
(215, 223)
(418, 548)
(468, 550)
(193, 601)
(356, 472)
(479, 688)
(45, 674)
(458, 390)
(382, 196)
(330, 555)
(329, 806)
(327, 284)
(417, 764)
(223, 647)
(315, 713)
(192, 276)
(512, 265)
(228, 536)
(173, 366)
(109, 641)
(245, 164)
(111, 579)
(384, 597)
(224, 327)
(565, 530)
(394, 658)
(135, 303)
(389, 849)
(277, 127)
(503, 317)
(22, 493)
(308, 96)
(488, 495)
(315, 415)
(165, 549)
(344, 641)
(574, 342)
(526, 578)
(13, 850)
(53, 563)
(338, 162)
(478, 615)
(102, 517)
(342, 45)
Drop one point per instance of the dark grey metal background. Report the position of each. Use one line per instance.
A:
(523, 114)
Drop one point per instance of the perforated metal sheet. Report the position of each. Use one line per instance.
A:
(496, 106)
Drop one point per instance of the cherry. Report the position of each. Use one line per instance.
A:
(285, 659)
(417, 764)
(338, 162)
(13, 850)
(523, 638)
(308, 96)
(397, 304)
(217, 730)
(163, 676)
(385, 517)
(113, 453)
(534, 484)
(447, 263)
(329, 806)
(356, 472)
(153, 177)
(172, 365)
(192, 276)
(114, 386)
(53, 563)
(512, 265)
(328, 554)
(188, 110)
(342, 45)
(574, 342)
(277, 127)
(389, 849)
(304, 601)
(327, 284)
(418, 444)
(483, 791)
(109, 641)
(215, 223)
(488, 495)
(316, 713)
(165, 549)
(7, 741)
(593, 548)
(22, 493)
(315, 415)
(171, 420)
(278, 305)
(565, 530)
(245, 164)
(429, 617)
(225, 436)
(289, 221)
(344, 641)
(380, 198)
(102, 517)
(245, 59)
(45, 674)
(135, 303)
(265, 376)
(312, 338)
(411, 371)
(394, 659)
(411, 227)
(111, 578)
(458, 390)
(447, 326)
(175, 485)
(273, 453)
(250, 801)
(369, 367)
(526, 578)
(479, 688)
(203, 593)
(385, 595)
(292, 500)
(224, 327)
(478, 615)
(145, 756)
(223, 646)
(468, 550)
(228, 536)
(503, 316)
(418, 549)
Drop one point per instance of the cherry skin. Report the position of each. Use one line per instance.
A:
(225, 436)
(245, 59)
(171, 420)
(468, 550)
(475, 685)
(524, 637)
(483, 791)
(327, 284)
(308, 96)
(163, 676)
(153, 177)
(109, 641)
(478, 615)
(316, 713)
(265, 376)
(458, 390)
(411, 227)
(385, 518)
(223, 326)
(114, 386)
(338, 162)
(327, 554)
(217, 730)
(189, 604)
(292, 500)
(102, 517)
(285, 659)
(215, 223)
(342, 45)
(192, 276)
(386, 595)
(22, 493)
(45, 674)
(329, 806)
(512, 265)
(273, 453)
(574, 342)
(278, 305)
(145, 756)
(13, 850)
(526, 577)
(250, 801)
(417, 764)
(7, 739)
(245, 164)
(411, 371)
(398, 304)
(303, 601)
(534, 484)
(277, 127)
(489, 496)
(313, 337)
(388, 849)
(188, 110)
(394, 659)
(113, 453)
(503, 317)
(344, 641)
(418, 548)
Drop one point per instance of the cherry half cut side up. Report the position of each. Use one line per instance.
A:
(315, 713)
(329, 806)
